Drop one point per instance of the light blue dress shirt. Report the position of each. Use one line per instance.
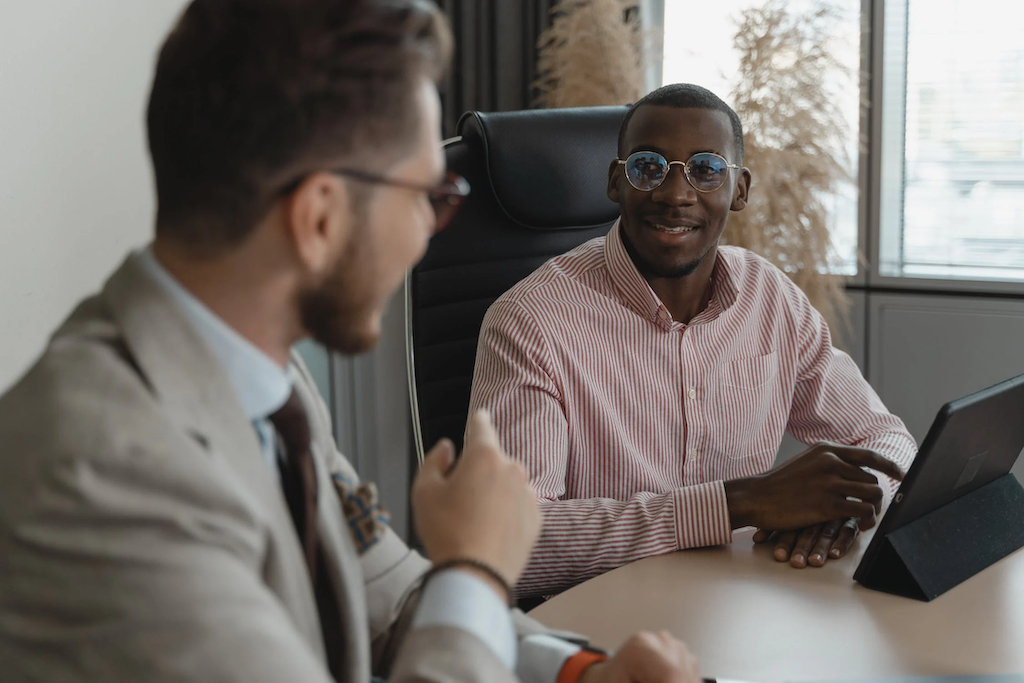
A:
(452, 598)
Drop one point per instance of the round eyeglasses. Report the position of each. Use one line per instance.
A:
(705, 171)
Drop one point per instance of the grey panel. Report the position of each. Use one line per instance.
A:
(926, 350)
(393, 423)
(348, 410)
(851, 336)
(372, 422)
(319, 363)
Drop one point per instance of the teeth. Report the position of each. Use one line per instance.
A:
(674, 231)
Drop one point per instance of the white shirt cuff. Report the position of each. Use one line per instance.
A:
(460, 600)
(541, 658)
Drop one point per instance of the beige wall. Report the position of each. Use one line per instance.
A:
(75, 186)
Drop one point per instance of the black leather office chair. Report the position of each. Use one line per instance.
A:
(538, 183)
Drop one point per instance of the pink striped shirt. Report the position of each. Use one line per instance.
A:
(629, 423)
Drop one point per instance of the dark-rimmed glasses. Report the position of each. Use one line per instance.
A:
(705, 171)
(445, 198)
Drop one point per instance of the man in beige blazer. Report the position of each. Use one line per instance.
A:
(172, 504)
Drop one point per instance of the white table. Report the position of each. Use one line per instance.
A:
(748, 617)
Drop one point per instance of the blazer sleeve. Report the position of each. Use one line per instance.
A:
(393, 575)
(447, 655)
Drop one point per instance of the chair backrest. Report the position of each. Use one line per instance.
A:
(538, 181)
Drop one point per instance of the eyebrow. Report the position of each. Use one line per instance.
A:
(655, 148)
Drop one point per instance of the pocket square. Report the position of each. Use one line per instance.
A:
(367, 519)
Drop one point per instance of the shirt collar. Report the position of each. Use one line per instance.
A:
(638, 295)
(262, 385)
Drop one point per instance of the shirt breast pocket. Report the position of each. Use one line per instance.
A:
(750, 420)
(752, 373)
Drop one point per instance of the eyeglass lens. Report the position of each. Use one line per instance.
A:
(705, 171)
(446, 200)
(445, 208)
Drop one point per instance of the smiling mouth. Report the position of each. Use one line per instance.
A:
(674, 229)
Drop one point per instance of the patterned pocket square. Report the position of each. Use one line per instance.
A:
(367, 520)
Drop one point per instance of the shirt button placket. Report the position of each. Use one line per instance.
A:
(690, 469)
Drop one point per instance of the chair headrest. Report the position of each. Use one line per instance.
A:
(548, 168)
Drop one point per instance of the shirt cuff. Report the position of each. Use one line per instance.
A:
(460, 600)
(541, 658)
(901, 449)
(702, 515)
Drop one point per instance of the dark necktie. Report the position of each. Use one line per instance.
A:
(298, 476)
(298, 480)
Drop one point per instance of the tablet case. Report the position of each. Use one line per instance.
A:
(947, 546)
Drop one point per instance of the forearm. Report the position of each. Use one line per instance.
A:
(586, 537)
(896, 444)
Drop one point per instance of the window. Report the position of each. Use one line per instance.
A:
(699, 48)
(949, 133)
(952, 181)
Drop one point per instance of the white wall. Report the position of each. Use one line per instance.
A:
(76, 194)
(75, 186)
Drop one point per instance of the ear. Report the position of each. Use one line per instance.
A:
(613, 180)
(741, 191)
(319, 221)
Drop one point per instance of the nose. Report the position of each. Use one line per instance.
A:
(676, 189)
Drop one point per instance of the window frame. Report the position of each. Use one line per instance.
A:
(883, 88)
(885, 92)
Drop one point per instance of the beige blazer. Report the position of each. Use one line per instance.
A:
(143, 537)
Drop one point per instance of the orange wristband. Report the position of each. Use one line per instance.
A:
(575, 665)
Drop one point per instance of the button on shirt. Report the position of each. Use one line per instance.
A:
(629, 422)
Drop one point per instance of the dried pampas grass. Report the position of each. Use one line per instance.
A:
(594, 53)
(794, 137)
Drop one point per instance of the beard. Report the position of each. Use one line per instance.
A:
(649, 268)
(335, 318)
(339, 312)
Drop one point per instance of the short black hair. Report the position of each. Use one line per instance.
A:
(686, 96)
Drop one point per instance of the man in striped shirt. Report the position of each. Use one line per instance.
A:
(646, 379)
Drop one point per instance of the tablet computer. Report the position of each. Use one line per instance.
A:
(973, 441)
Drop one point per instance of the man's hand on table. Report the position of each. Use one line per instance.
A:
(646, 658)
(814, 504)
(813, 545)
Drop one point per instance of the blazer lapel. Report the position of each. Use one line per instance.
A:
(340, 554)
(188, 380)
